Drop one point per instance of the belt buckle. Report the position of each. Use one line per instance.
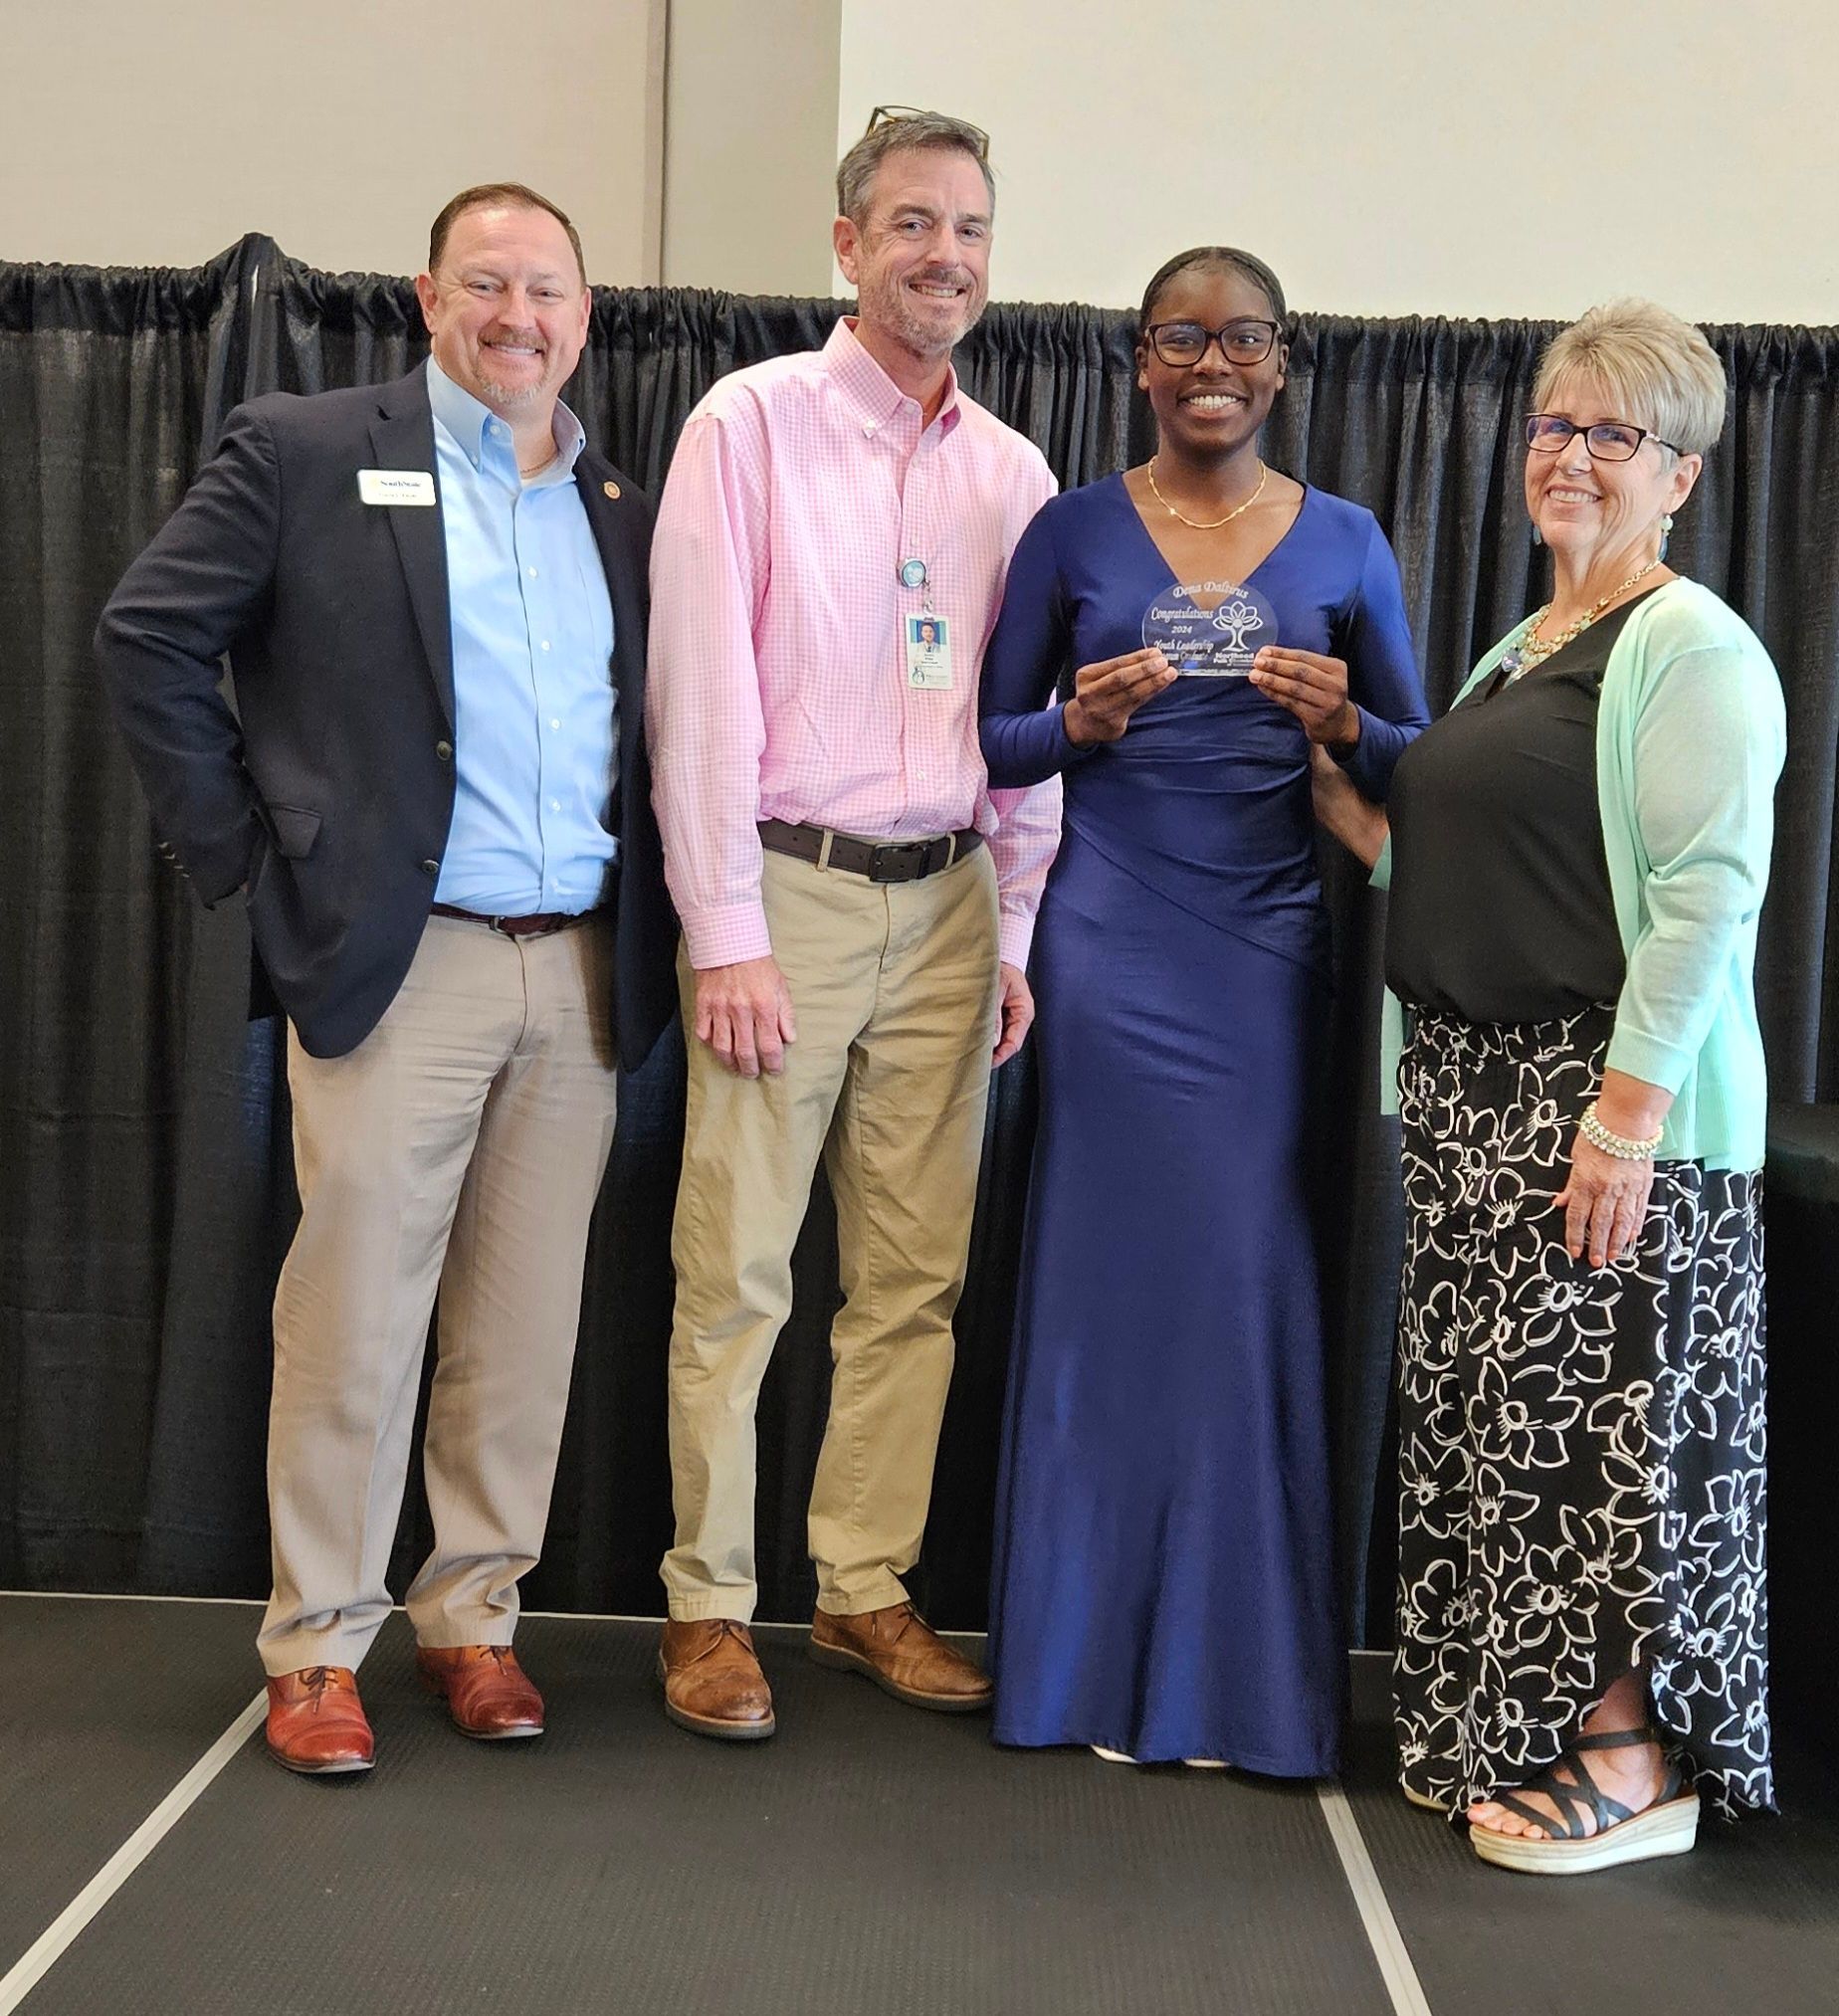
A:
(899, 860)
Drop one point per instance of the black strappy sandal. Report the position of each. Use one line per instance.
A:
(1668, 1827)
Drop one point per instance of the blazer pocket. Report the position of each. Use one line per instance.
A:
(294, 830)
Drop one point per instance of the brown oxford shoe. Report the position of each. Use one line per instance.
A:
(713, 1682)
(488, 1693)
(317, 1723)
(904, 1655)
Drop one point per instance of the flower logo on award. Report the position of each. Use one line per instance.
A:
(1237, 618)
(1209, 629)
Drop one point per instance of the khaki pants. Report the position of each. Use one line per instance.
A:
(894, 991)
(459, 1148)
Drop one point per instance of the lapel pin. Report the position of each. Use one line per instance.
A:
(611, 489)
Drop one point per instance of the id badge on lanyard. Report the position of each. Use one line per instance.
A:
(925, 636)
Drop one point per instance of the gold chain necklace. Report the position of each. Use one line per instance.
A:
(1532, 649)
(1208, 524)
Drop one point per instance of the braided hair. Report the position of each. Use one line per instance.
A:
(1216, 259)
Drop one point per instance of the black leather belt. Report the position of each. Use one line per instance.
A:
(879, 859)
(539, 924)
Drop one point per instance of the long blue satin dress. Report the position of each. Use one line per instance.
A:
(1163, 1582)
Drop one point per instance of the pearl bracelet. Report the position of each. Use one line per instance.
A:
(1621, 1146)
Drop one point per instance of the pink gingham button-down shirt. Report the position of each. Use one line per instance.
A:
(776, 684)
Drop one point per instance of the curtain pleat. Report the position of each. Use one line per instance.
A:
(106, 382)
(146, 1192)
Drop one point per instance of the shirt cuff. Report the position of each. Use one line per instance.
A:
(1015, 934)
(1380, 875)
(726, 935)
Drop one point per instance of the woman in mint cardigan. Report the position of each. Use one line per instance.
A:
(1576, 855)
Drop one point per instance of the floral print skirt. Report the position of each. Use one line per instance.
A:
(1581, 1452)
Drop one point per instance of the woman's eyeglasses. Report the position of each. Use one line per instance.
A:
(1606, 440)
(1245, 341)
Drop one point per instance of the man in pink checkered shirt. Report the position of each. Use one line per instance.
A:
(857, 906)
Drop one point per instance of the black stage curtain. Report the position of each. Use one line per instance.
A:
(141, 1228)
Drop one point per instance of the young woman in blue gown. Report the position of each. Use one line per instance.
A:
(1163, 1586)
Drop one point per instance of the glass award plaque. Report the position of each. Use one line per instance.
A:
(1210, 629)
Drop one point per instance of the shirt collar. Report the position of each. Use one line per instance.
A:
(464, 419)
(870, 390)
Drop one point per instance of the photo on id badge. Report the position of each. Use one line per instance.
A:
(928, 653)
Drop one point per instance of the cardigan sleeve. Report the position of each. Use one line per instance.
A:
(1708, 747)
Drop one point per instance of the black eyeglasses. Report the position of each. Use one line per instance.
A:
(883, 115)
(1606, 440)
(1246, 341)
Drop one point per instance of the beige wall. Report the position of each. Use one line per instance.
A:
(1393, 156)
(1387, 158)
(750, 160)
(145, 134)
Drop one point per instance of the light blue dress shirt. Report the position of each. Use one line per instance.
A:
(535, 738)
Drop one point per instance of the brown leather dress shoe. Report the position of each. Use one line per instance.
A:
(488, 1693)
(713, 1682)
(904, 1655)
(317, 1723)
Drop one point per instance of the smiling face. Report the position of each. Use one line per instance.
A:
(1211, 407)
(919, 260)
(1600, 515)
(507, 311)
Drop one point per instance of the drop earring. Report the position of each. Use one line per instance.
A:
(1538, 537)
(1666, 532)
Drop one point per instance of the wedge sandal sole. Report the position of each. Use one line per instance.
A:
(1667, 1829)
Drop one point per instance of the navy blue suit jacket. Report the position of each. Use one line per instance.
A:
(329, 790)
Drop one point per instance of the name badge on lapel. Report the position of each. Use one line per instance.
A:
(395, 487)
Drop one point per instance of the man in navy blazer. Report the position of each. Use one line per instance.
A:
(434, 795)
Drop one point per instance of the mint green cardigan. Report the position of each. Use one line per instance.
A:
(1691, 734)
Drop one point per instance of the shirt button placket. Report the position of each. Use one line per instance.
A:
(537, 621)
(916, 716)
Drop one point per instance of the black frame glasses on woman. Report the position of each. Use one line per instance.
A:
(1606, 440)
(1246, 341)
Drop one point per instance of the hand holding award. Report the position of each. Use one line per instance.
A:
(1107, 694)
(1314, 688)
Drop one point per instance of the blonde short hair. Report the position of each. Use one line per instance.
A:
(1655, 370)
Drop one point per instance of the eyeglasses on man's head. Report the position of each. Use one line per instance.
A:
(883, 115)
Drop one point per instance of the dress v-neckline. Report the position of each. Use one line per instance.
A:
(1175, 581)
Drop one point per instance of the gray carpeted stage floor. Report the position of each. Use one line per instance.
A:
(868, 1861)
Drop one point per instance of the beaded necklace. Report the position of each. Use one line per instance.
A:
(1532, 649)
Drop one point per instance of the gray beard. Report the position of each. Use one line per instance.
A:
(921, 339)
